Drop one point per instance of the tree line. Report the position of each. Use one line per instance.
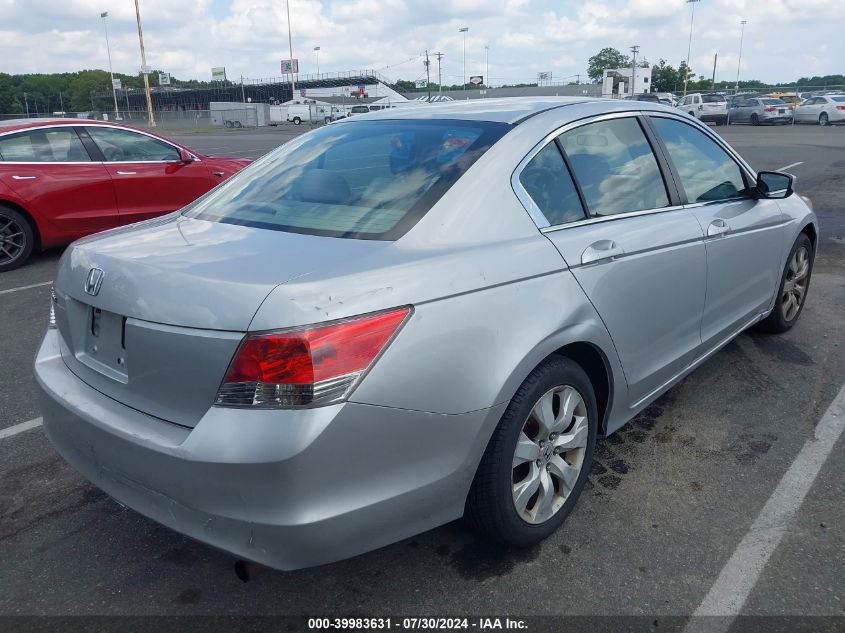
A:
(74, 92)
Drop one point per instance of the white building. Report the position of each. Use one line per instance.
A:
(616, 82)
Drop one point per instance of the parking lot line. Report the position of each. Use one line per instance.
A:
(785, 167)
(19, 288)
(20, 428)
(739, 575)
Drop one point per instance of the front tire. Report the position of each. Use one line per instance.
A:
(297, 120)
(17, 238)
(792, 291)
(539, 457)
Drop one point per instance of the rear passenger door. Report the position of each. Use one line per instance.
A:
(638, 256)
(744, 236)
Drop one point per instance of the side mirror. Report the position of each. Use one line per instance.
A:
(185, 156)
(774, 184)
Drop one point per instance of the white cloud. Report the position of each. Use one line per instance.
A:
(784, 39)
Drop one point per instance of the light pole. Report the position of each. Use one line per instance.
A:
(104, 15)
(634, 49)
(487, 66)
(739, 61)
(317, 51)
(464, 31)
(144, 69)
(689, 44)
(439, 56)
(290, 50)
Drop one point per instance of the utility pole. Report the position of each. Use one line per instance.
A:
(487, 66)
(144, 68)
(635, 49)
(290, 50)
(689, 44)
(739, 61)
(439, 56)
(104, 15)
(464, 31)
(61, 101)
(243, 94)
(713, 81)
(427, 76)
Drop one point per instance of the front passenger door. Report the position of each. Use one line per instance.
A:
(640, 260)
(149, 177)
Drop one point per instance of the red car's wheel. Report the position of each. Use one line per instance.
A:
(16, 238)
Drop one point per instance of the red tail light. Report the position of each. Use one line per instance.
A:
(309, 366)
(769, 109)
(840, 107)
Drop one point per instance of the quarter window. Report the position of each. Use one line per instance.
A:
(44, 146)
(706, 170)
(615, 167)
(547, 181)
(124, 146)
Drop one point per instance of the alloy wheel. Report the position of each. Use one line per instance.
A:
(549, 454)
(823, 120)
(795, 284)
(12, 240)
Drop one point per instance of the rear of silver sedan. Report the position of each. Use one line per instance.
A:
(200, 368)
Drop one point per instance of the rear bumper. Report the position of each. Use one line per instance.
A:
(715, 117)
(287, 489)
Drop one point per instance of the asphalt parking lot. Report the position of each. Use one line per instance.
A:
(670, 498)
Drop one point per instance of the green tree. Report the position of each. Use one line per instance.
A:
(604, 59)
(664, 77)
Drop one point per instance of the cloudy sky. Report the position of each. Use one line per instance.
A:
(784, 39)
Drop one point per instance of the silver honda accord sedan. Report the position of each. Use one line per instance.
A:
(412, 316)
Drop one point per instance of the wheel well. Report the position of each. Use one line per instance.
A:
(593, 362)
(29, 217)
(810, 231)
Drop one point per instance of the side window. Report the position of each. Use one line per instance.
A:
(615, 167)
(122, 145)
(707, 171)
(547, 181)
(44, 146)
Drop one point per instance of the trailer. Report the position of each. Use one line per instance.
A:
(232, 114)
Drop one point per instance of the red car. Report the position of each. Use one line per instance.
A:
(61, 179)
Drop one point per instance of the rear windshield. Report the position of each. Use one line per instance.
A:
(773, 102)
(712, 99)
(362, 179)
(839, 99)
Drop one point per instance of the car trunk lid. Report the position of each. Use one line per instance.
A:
(157, 322)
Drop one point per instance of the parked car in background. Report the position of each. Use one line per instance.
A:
(758, 110)
(790, 98)
(825, 110)
(734, 100)
(329, 353)
(646, 96)
(61, 179)
(709, 107)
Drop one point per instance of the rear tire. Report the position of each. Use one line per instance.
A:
(755, 120)
(502, 503)
(823, 119)
(17, 238)
(794, 282)
(297, 120)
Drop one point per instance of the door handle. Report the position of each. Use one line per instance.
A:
(126, 173)
(601, 251)
(24, 177)
(717, 228)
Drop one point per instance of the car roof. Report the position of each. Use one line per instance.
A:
(22, 124)
(501, 110)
